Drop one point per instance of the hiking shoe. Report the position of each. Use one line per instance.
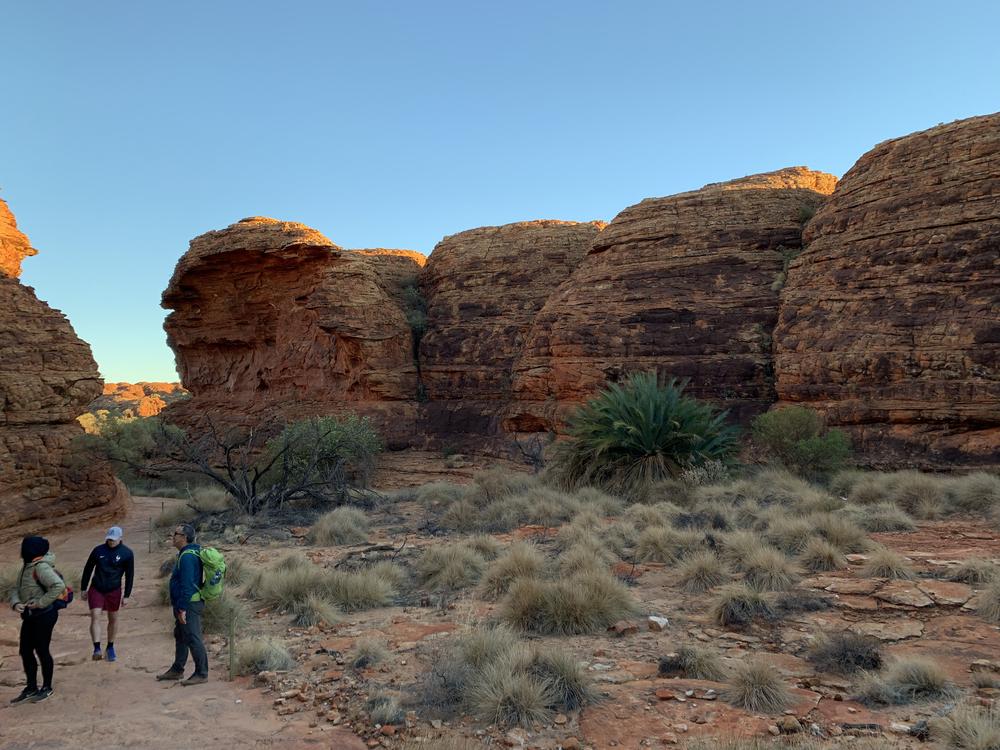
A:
(112, 656)
(195, 679)
(40, 695)
(170, 674)
(96, 656)
(23, 696)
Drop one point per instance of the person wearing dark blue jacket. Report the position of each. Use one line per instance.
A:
(185, 599)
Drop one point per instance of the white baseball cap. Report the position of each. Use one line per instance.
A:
(114, 533)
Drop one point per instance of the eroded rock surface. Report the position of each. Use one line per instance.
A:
(484, 288)
(47, 378)
(271, 319)
(686, 285)
(890, 319)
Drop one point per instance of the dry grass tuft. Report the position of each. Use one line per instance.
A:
(221, 612)
(523, 560)
(315, 609)
(975, 571)
(694, 663)
(757, 686)
(975, 493)
(488, 547)
(736, 605)
(819, 556)
(767, 569)
(353, 592)
(989, 603)
(884, 563)
(369, 652)
(340, 526)
(384, 709)
(449, 567)
(585, 603)
(262, 655)
(883, 517)
(840, 531)
(506, 694)
(701, 572)
(905, 681)
(568, 681)
(737, 546)
(847, 653)
(970, 728)
(789, 534)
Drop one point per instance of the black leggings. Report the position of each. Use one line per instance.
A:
(36, 633)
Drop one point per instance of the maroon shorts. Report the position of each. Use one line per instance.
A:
(109, 602)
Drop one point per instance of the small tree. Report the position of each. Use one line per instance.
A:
(262, 468)
(642, 431)
(796, 437)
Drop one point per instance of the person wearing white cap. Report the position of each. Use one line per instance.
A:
(108, 562)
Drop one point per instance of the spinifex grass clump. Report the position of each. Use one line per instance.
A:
(340, 526)
(970, 728)
(449, 567)
(369, 652)
(847, 653)
(693, 662)
(701, 572)
(523, 560)
(738, 605)
(757, 686)
(989, 603)
(974, 571)
(819, 556)
(587, 602)
(905, 681)
(884, 563)
(767, 569)
(224, 612)
(262, 655)
(315, 609)
(637, 433)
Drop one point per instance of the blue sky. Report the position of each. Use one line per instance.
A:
(128, 128)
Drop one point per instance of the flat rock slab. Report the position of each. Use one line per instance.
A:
(861, 603)
(895, 630)
(946, 592)
(904, 593)
(861, 586)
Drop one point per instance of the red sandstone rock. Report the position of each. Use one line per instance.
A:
(484, 288)
(686, 285)
(47, 377)
(14, 245)
(890, 319)
(271, 319)
(141, 399)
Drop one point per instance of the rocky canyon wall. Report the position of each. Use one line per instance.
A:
(47, 378)
(890, 318)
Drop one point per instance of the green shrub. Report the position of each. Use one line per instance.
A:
(485, 545)
(262, 655)
(342, 525)
(665, 545)
(795, 436)
(694, 663)
(756, 686)
(790, 535)
(905, 681)
(840, 531)
(637, 433)
(737, 546)
(586, 556)
(281, 589)
(236, 570)
(395, 575)
(586, 603)
(599, 501)
(441, 493)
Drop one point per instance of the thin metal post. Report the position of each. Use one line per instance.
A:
(150, 535)
(232, 648)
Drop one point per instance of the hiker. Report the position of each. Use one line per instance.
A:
(38, 588)
(108, 562)
(185, 580)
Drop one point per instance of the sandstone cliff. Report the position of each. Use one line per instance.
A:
(483, 289)
(143, 399)
(890, 319)
(272, 320)
(47, 377)
(686, 285)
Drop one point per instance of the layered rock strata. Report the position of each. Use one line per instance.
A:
(484, 288)
(47, 378)
(685, 285)
(890, 319)
(271, 320)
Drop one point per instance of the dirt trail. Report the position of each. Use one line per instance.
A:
(120, 705)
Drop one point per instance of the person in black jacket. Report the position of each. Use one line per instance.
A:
(108, 562)
(185, 582)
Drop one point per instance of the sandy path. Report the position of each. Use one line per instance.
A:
(120, 705)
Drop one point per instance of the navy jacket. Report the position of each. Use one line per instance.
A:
(109, 564)
(186, 578)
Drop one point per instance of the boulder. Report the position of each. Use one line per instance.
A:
(270, 321)
(14, 245)
(890, 318)
(686, 285)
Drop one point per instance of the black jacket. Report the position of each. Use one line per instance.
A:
(109, 564)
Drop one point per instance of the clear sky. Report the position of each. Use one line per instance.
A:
(127, 128)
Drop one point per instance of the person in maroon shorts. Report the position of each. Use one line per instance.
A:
(108, 562)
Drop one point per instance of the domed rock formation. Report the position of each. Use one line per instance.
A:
(272, 320)
(483, 289)
(47, 378)
(890, 319)
(686, 285)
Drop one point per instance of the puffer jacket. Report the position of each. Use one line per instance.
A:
(42, 592)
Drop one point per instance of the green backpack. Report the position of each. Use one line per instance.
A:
(214, 570)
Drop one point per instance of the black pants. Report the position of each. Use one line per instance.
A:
(188, 638)
(36, 634)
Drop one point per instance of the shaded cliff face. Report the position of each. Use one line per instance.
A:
(890, 320)
(47, 378)
(271, 319)
(484, 288)
(686, 285)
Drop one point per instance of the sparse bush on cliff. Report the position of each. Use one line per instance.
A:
(637, 433)
(795, 437)
(314, 460)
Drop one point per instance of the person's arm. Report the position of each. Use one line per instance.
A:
(51, 582)
(188, 578)
(88, 569)
(15, 597)
(129, 574)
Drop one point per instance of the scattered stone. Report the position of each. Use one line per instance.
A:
(904, 593)
(860, 586)
(984, 665)
(896, 630)
(946, 593)
(623, 628)
(897, 727)
(773, 729)
(560, 719)
(656, 624)
(790, 725)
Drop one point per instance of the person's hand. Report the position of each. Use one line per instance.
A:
(31, 605)
(182, 617)
(125, 602)
(19, 607)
